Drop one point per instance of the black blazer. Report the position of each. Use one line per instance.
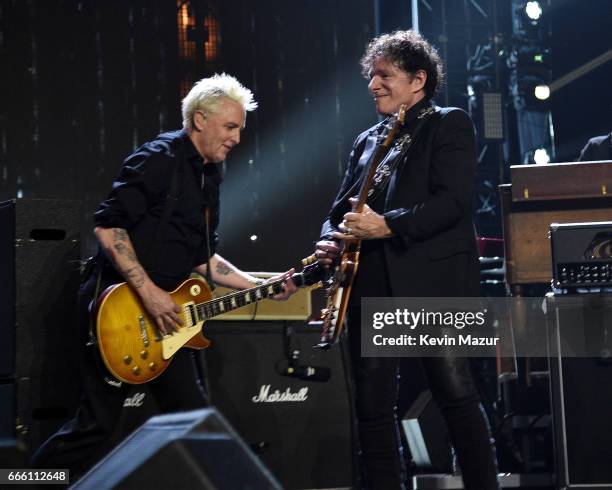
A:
(428, 206)
(598, 148)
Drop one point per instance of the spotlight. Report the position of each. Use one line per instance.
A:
(541, 92)
(253, 238)
(541, 156)
(528, 20)
(531, 91)
(533, 10)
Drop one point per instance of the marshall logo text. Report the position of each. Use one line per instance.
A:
(276, 396)
(136, 400)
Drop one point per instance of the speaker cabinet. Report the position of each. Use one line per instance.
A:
(197, 449)
(288, 400)
(39, 277)
(581, 389)
(138, 407)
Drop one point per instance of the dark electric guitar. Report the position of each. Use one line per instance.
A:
(339, 286)
(132, 347)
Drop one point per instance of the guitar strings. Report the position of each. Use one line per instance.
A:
(206, 306)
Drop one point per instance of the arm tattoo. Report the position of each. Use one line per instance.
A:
(119, 234)
(120, 237)
(122, 249)
(223, 269)
(121, 243)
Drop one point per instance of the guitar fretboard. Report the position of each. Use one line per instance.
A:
(218, 306)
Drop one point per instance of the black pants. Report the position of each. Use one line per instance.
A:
(452, 385)
(85, 439)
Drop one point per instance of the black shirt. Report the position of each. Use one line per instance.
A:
(139, 195)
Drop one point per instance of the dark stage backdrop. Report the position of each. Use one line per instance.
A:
(583, 108)
(85, 82)
(301, 58)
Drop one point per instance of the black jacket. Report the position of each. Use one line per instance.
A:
(598, 148)
(428, 206)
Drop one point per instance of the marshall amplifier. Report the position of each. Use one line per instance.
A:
(581, 254)
(287, 400)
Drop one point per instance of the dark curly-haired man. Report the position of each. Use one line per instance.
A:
(417, 241)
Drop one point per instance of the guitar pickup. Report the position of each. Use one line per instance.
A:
(143, 331)
(191, 314)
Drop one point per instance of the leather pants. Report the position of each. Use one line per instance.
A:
(375, 386)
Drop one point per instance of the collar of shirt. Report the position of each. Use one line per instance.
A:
(410, 118)
(415, 111)
(196, 162)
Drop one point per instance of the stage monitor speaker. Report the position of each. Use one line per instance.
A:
(427, 436)
(289, 401)
(197, 449)
(581, 390)
(39, 277)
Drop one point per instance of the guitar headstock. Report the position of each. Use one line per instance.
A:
(397, 125)
(311, 274)
(401, 114)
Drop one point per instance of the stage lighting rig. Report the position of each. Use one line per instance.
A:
(533, 11)
(541, 156)
(541, 91)
(529, 55)
(530, 92)
(529, 77)
(528, 20)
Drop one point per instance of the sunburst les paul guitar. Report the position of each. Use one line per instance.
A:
(338, 288)
(132, 347)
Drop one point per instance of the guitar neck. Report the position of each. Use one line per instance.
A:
(232, 301)
(379, 154)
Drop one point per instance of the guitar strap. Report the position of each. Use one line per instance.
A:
(385, 169)
(171, 200)
(386, 173)
(209, 280)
